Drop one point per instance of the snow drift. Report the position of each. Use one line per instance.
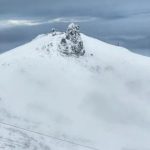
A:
(100, 99)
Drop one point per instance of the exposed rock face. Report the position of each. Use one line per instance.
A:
(72, 43)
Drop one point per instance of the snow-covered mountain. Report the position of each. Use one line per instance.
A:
(53, 101)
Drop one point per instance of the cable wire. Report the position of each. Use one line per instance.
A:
(49, 136)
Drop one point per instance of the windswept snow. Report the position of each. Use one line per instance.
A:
(100, 99)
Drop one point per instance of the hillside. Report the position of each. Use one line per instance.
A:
(97, 100)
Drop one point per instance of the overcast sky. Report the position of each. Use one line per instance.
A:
(126, 22)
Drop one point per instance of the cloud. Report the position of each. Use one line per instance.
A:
(72, 19)
(14, 22)
(22, 22)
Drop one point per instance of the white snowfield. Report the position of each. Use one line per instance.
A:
(100, 100)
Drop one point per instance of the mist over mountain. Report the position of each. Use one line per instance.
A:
(68, 91)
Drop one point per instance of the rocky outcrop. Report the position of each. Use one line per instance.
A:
(72, 43)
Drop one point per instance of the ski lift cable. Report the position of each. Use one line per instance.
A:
(49, 136)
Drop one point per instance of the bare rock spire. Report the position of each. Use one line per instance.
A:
(72, 43)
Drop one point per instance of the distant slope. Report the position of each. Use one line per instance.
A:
(99, 100)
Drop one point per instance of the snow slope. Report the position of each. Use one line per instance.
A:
(100, 100)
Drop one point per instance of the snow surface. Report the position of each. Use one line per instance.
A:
(99, 100)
